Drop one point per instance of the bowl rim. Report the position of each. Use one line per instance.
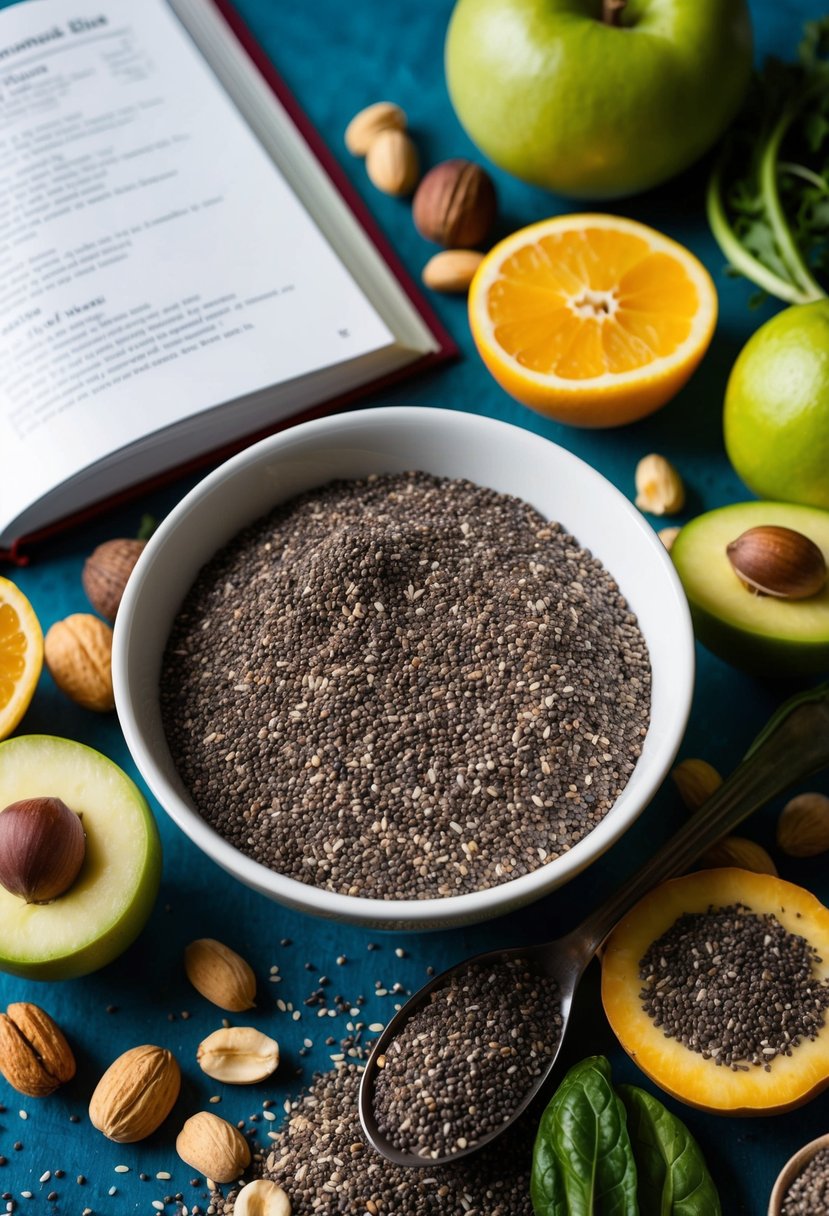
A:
(440, 911)
(794, 1166)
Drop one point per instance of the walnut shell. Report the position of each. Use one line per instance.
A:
(78, 653)
(455, 204)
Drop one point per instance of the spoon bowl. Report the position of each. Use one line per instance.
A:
(793, 745)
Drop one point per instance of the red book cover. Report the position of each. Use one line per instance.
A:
(447, 349)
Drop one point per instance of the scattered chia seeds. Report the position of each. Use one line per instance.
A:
(808, 1195)
(405, 687)
(735, 986)
(464, 1062)
(321, 1160)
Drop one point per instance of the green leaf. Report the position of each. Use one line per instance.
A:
(582, 1161)
(673, 1177)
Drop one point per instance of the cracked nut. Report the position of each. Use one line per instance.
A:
(106, 572)
(659, 488)
(262, 1198)
(213, 1147)
(220, 974)
(739, 852)
(803, 826)
(696, 781)
(778, 561)
(136, 1094)
(42, 849)
(78, 653)
(239, 1055)
(364, 127)
(35, 1057)
(392, 163)
(455, 204)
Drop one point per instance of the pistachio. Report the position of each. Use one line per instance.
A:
(220, 974)
(696, 781)
(452, 271)
(78, 653)
(740, 852)
(392, 162)
(239, 1055)
(42, 848)
(659, 488)
(367, 125)
(35, 1057)
(262, 1198)
(136, 1094)
(770, 560)
(803, 826)
(455, 204)
(213, 1147)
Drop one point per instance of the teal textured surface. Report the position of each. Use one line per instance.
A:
(337, 58)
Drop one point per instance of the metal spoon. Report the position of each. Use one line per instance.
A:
(793, 745)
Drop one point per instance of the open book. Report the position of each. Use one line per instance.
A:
(177, 268)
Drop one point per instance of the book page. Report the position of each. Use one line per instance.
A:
(153, 261)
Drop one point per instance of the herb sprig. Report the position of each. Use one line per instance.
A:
(768, 197)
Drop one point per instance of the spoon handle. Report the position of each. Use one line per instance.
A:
(793, 744)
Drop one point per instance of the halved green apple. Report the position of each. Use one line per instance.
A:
(761, 633)
(108, 903)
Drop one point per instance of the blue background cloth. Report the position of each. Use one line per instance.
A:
(337, 58)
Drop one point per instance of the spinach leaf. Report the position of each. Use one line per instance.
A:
(582, 1161)
(673, 1177)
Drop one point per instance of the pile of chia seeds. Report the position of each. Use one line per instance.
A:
(324, 1165)
(735, 986)
(809, 1193)
(465, 1061)
(405, 687)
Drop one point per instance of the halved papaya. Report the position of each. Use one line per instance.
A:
(787, 1080)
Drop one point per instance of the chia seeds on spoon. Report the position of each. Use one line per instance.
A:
(405, 687)
(735, 986)
(808, 1195)
(465, 1061)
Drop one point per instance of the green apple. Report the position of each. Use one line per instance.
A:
(593, 100)
(763, 634)
(107, 905)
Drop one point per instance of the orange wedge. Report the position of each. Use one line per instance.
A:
(21, 655)
(593, 320)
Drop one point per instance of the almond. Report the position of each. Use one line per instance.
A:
(740, 852)
(696, 781)
(238, 1055)
(803, 826)
(392, 163)
(452, 271)
(778, 561)
(136, 1094)
(659, 488)
(220, 974)
(213, 1147)
(364, 127)
(262, 1198)
(35, 1057)
(78, 653)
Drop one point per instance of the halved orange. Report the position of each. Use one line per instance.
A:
(21, 655)
(594, 320)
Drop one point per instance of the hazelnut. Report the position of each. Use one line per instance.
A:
(106, 571)
(42, 848)
(781, 562)
(455, 204)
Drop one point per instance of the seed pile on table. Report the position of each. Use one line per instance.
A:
(405, 687)
(465, 1061)
(322, 1161)
(808, 1195)
(735, 986)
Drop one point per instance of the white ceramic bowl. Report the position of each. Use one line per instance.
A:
(391, 440)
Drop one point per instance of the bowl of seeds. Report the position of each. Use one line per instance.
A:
(404, 667)
(802, 1186)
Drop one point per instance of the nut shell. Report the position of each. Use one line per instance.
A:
(392, 163)
(213, 1147)
(42, 848)
(106, 572)
(803, 826)
(78, 652)
(136, 1094)
(364, 127)
(455, 204)
(771, 560)
(220, 974)
(35, 1057)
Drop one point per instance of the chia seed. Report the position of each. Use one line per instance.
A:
(405, 687)
(808, 1195)
(734, 986)
(465, 1061)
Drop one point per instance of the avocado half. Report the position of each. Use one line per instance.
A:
(762, 634)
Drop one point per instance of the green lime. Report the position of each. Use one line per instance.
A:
(776, 417)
